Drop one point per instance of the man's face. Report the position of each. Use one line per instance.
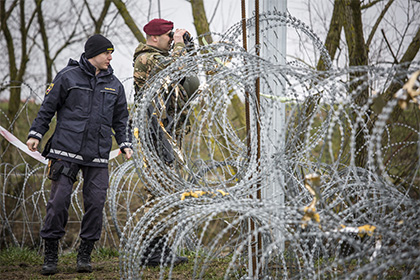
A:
(101, 61)
(164, 41)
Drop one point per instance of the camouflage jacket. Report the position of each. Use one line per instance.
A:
(149, 61)
(171, 99)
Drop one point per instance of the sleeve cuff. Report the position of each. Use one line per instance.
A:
(125, 145)
(34, 134)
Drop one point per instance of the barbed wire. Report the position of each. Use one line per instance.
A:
(322, 214)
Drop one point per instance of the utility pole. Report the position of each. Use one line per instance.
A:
(270, 45)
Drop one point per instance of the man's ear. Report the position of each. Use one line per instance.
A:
(154, 38)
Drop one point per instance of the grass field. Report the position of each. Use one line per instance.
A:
(17, 263)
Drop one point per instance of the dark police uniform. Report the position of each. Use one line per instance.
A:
(89, 107)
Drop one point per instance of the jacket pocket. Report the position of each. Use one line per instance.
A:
(105, 140)
(109, 98)
(69, 136)
(79, 99)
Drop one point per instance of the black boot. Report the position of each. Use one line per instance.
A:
(83, 256)
(153, 255)
(50, 257)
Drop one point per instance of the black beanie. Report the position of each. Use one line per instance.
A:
(97, 44)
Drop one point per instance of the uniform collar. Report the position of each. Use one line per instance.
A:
(91, 70)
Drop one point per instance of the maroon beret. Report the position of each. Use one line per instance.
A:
(158, 26)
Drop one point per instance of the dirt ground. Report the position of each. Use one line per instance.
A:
(104, 270)
(108, 269)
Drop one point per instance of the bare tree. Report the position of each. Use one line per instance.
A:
(347, 17)
(129, 21)
(100, 20)
(200, 19)
(33, 35)
(18, 47)
(65, 41)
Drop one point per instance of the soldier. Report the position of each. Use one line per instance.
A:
(150, 59)
(90, 102)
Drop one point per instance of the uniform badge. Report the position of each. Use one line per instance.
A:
(49, 88)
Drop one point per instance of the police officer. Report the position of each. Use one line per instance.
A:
(163, 46)
(90, 102)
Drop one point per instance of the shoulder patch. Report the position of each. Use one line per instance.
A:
(49, 88)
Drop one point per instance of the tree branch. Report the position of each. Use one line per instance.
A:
(368, 5)
(122, 9)
(378, 21)
(389, 47)
(101, 18)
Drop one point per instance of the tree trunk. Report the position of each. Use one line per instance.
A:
(16, 74)
(48, 60)
(200, 20)
(332, 42)
(358, 56)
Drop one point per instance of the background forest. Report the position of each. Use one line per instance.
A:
(39, 36)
